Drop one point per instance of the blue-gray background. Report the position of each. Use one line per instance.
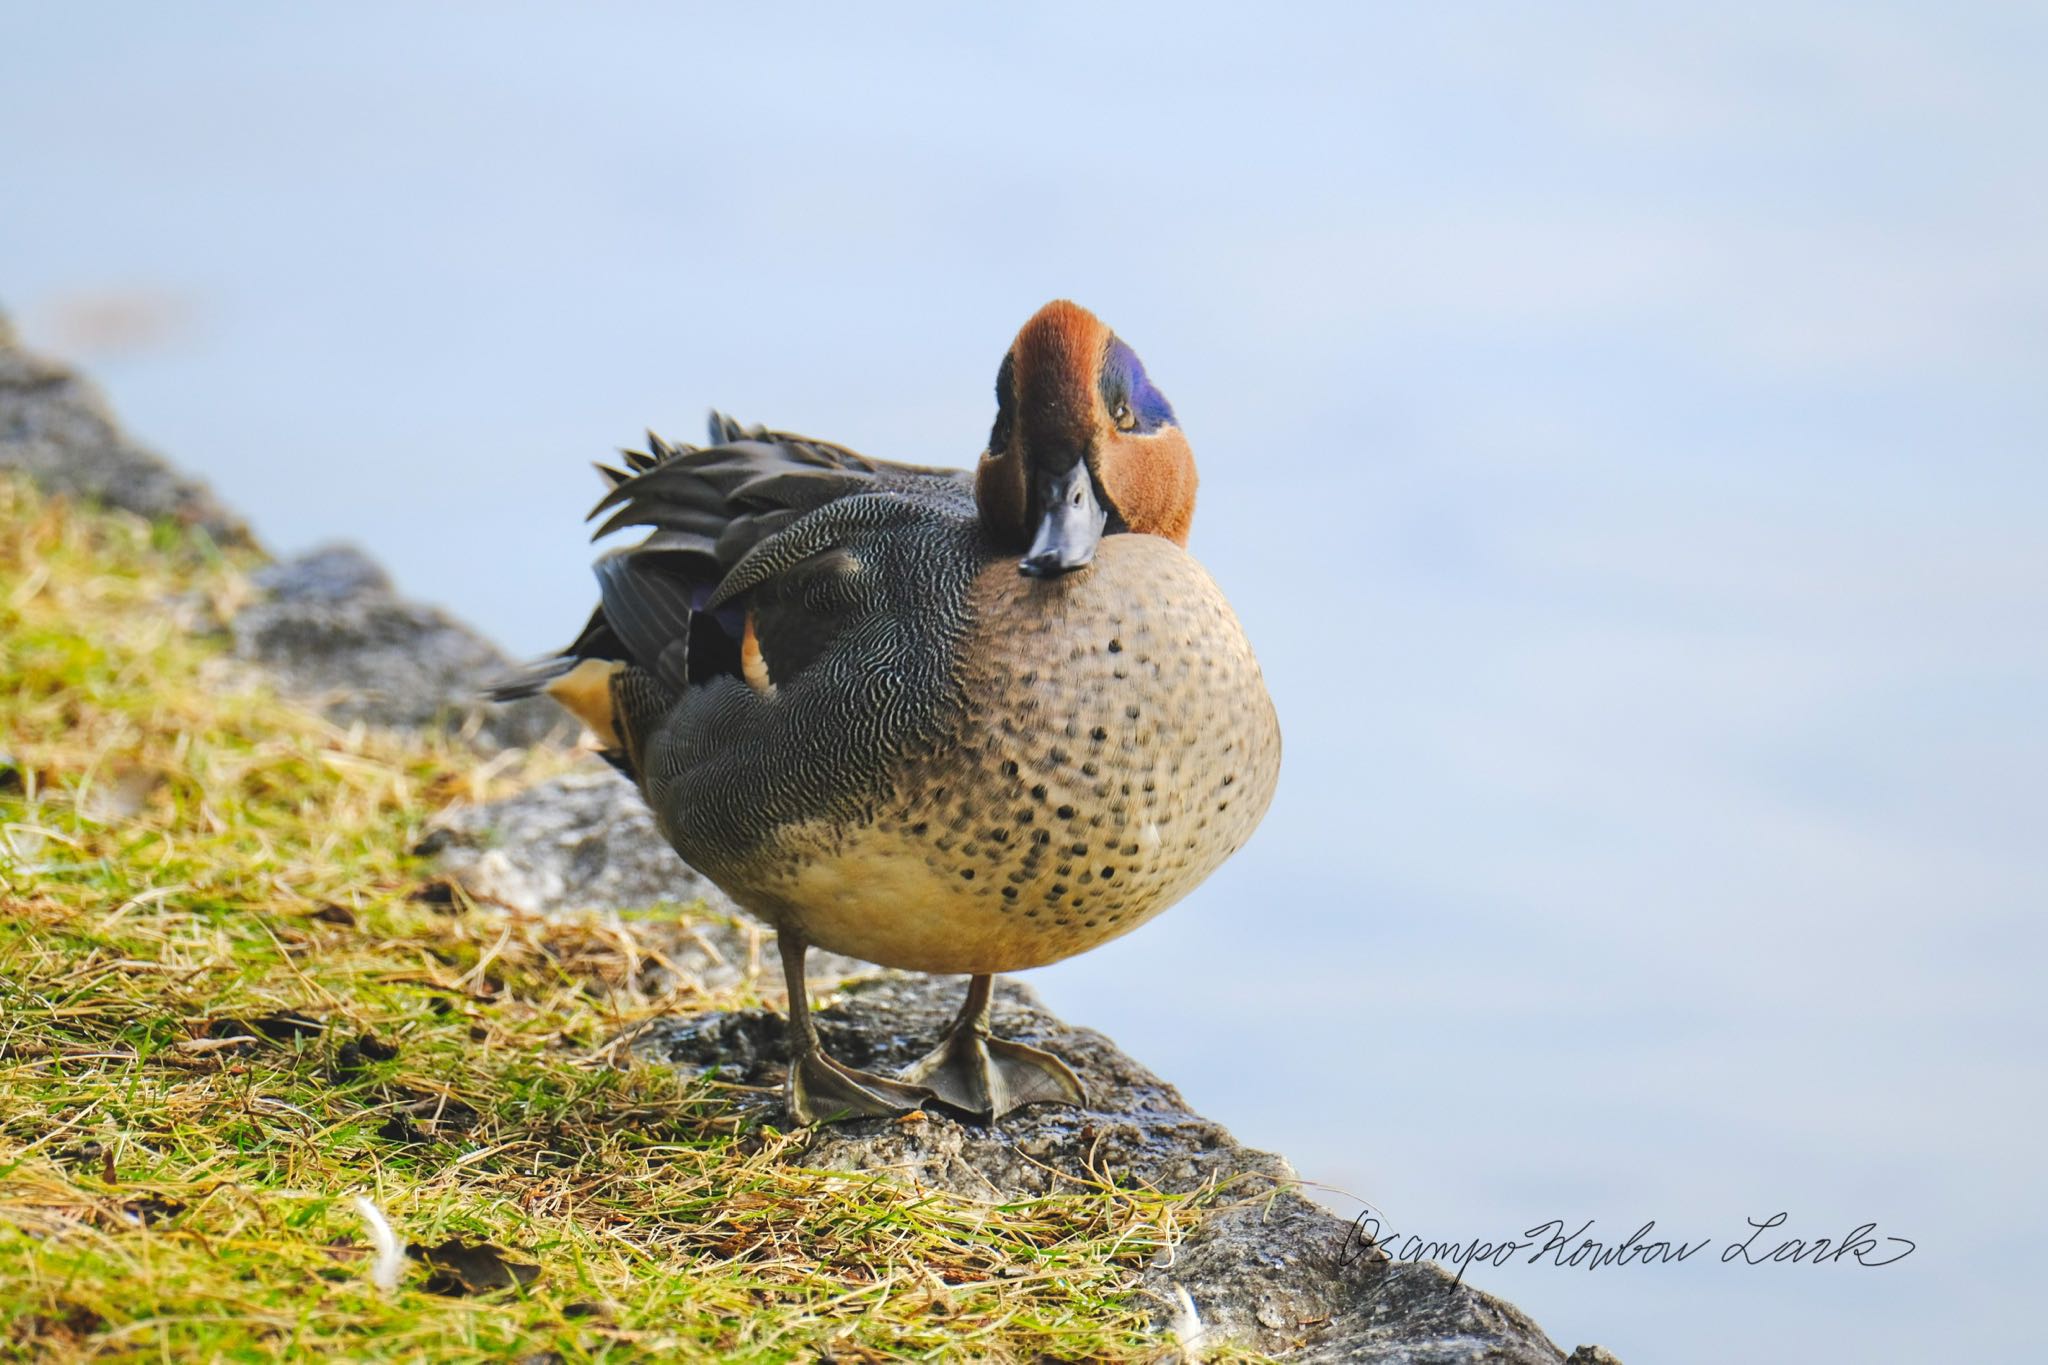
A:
(1622, 436)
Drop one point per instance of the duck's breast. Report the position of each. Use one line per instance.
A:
(1113, 744)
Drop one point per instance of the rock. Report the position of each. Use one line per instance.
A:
(583, 841)
(331, 575)
(55, 427)
(1266, 1269)
(331, 630)
(586, 841)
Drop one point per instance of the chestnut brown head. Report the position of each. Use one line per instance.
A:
(1083, 446)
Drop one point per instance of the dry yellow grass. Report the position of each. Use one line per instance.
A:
(225, 1012)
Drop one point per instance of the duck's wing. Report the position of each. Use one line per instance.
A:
(710, 505)
(657, 629)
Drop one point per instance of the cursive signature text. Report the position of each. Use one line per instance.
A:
(1554, 1243)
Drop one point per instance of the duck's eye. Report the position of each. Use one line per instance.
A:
(1120, 413)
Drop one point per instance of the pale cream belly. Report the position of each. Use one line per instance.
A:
(1115, 748)
(903, 903)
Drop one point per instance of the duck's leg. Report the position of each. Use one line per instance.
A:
(821, 1090)
(991, 1076)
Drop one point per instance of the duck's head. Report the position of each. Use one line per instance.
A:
(1083, 446)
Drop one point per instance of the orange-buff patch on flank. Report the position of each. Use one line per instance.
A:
(585, 691)
(753, 666)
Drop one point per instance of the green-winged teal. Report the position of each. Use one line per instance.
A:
(933, 719)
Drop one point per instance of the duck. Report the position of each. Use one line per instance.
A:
(953, 721)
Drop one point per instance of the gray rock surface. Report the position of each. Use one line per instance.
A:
(586, 841)
(332, 630)
(1266, 1268)
(55, 426)
(583, 841)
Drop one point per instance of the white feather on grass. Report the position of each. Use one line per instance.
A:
(389, 1262)
(1186, 1328)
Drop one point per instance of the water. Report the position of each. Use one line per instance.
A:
(1621, 436)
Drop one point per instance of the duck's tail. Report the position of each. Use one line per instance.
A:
(617, 701)
(533, 680)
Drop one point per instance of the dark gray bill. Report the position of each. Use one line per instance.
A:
(1069, 527)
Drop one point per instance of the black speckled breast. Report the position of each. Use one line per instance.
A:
(1107, 743)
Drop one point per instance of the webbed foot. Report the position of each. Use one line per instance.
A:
(821, 1090)
(991, 1076)
(988, 1076)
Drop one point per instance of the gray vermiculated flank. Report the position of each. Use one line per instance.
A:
(827, 742)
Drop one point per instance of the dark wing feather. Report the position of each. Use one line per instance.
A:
(648, 612)
(708, 508)
(711, 505)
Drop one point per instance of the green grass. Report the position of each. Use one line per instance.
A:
(190, 867)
